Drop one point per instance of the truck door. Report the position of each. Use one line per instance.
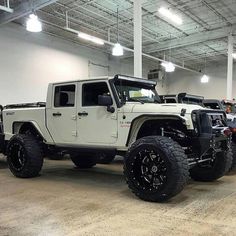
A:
(95, 124)
(61, 116)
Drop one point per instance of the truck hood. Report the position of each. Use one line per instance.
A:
(161, 108)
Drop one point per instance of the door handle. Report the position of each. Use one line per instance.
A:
(84, 113)
(56, 114)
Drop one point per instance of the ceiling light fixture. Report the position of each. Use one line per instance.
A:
(169, 66)
(170, 15)
(33, 24)
(90, 38)
(204, 79)
(117, 49)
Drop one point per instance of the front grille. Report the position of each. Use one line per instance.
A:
(210, 121)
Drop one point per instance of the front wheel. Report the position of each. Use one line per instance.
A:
(213, 170)
(24, 156)
(156, 168)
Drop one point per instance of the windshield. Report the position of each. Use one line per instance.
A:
(130, 91)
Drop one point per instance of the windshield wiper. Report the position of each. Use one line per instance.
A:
(136, 100)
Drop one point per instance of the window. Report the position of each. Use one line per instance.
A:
(91, 91)
(64, 96)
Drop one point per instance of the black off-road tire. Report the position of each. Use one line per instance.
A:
(172, 162)
(233, 147)
(216, 170)
(104, 158)
(24, 156)
(84, 160)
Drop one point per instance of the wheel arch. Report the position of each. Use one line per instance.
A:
(140, 121)
(20, 127)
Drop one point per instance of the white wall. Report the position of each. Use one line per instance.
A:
(29, 61)
(184, 81)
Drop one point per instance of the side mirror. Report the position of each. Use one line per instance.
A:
(106, 100)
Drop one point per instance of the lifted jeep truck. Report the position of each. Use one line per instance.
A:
(162, 143)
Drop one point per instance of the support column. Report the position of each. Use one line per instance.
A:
(230, 68)
(138, 38)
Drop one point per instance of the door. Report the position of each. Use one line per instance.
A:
(95, 124)
(61, 117)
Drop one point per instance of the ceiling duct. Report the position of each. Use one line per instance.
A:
(156, 74)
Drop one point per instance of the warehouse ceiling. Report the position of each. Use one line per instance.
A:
(202, 36)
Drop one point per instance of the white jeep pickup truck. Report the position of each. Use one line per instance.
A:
(162, 143)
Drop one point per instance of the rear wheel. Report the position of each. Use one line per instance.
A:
(84, 160)
(156, 168)
(213, 170)
(24, 156)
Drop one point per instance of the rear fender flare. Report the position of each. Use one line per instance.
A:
(18, 125)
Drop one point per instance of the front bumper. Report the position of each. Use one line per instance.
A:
(208, 143)
(211, 132)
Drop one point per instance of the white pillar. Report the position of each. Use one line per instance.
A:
(138, 38)
(230, 68)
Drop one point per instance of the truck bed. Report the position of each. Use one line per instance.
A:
(15, 115)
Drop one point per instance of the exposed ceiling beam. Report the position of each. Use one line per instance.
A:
(23, 9)
(191, 39)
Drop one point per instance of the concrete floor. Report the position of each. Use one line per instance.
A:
(68, 201)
